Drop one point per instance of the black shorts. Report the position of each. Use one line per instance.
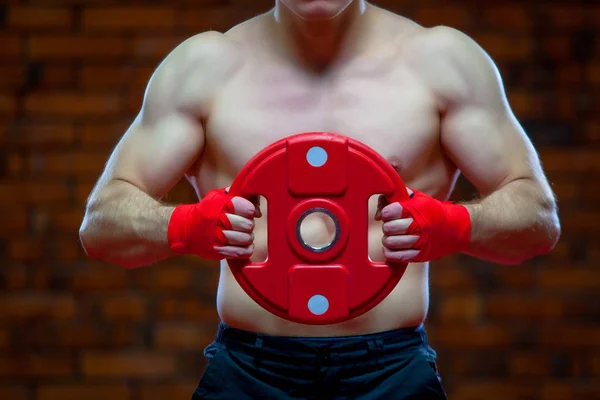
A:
(393, 365)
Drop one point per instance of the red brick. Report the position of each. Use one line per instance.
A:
(155, 47)
(523, 306)
(570, 16)
(451, 277)
(571, 160)
(595, 364)
(13, 76)
(497, 16)
(108, 76)
(61, 76)
(450, 15)
(183, 336)
(186, 309)
(4, 338)
(36, 366)
(566, 105)
(460, 308)
(14, 392)
(557, 47)
(166, 277)
(66, 221)
(104, 134)
(524, 103)
(33, 192)
(77, 335)
(593, 73)
(15, 166)
(570, 74)
(69, 47)
(128, 307)
(566, 191)
(522, 277)
(25, 249)
(506, 47)
(17, 278)
(561, 251)
(167, 390)
(557, 391)
(14, 221)
(88, 392)
(10, 45)
(500, 389)
(530, 365)
(77, 163)
(82, 192)
(8, 105)
(134, 102)
(28, 306)
(218, 18)
(582, 222)
(470, 336)
(96, 276)
(592, 130)
(31, 249)
(131, 365)
(67, 104)
(39, 18)
(557, 278)
(67, 248)
(570, 336)
(85, 336)
(149, 18)
(31, 134)
(570, 390)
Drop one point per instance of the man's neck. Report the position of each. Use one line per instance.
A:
(317, 45)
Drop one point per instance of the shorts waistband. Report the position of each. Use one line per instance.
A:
(409, 337)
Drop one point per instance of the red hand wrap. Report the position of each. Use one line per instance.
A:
(443, 227)
(198, 228)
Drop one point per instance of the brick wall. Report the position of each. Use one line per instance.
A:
(71, 78)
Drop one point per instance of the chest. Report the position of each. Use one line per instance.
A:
(385, 107)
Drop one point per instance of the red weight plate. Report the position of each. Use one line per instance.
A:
(324, 172)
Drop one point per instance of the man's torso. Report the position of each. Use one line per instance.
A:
(380, 98)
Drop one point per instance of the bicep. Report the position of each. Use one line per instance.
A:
(155, 155)
(480, 133)
(489, 147)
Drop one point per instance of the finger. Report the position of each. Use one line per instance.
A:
(235, 251)
(399, 242)
(400, 255)
(240, 224)
(396, 226)
(243, 207)
(239, 238)
(391, 211)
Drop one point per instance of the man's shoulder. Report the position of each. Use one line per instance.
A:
(207, 48)
(447, 43)
(448, 58)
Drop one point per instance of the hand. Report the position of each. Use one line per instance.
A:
(218, 226)
(423, 229)
(239, 238)
(397, 244)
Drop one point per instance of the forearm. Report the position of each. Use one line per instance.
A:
(513, 224)
(125, 226)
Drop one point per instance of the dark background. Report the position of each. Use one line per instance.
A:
(72, 75)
